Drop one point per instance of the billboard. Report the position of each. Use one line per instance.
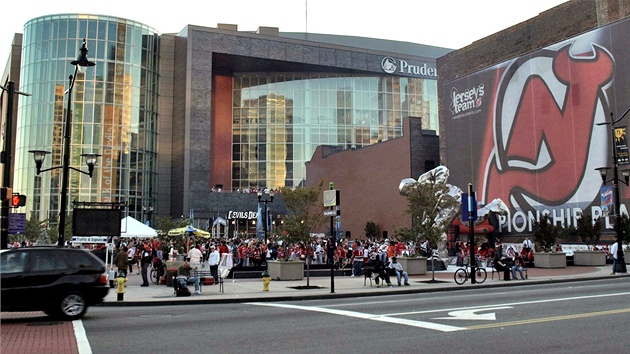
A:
(96, 222)
(532, 130)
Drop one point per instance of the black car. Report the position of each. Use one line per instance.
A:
(62, 282)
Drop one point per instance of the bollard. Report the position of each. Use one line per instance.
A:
(266, 280)
(120, 290)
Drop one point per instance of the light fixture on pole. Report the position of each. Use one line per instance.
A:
(90, 159)
(271, 194)
(621, 263)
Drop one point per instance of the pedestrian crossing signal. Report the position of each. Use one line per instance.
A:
(18, 200)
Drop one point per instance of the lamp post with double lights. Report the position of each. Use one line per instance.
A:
(271, 194)
(621, 263)
(90, 159)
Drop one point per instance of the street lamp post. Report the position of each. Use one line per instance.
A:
(621, 263)
(90, 159)
(266, 210)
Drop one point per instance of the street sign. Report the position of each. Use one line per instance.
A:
(17, 223)
(331, 212)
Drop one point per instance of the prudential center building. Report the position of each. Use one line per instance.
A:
(175, 116)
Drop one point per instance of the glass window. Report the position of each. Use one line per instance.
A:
(13, 262)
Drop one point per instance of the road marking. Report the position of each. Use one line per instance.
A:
(507, 304)
(82, 341)
(367, 316)
(471, 315)
(549, 319)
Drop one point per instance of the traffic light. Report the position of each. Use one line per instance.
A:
(18, 200)
(7, 193)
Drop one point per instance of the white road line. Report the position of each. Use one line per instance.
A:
(530, 302)
(367, 316)
(82, 342)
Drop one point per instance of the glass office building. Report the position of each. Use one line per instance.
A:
(281, 118)
(113, 112)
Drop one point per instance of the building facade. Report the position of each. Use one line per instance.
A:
(114, 112)
(249, 109)
(180, 117)
(528, 112)
(368, 179)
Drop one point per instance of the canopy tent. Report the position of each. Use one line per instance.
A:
(190, 230)
(130, 227)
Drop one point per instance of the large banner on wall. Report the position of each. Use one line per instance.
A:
(531, 131)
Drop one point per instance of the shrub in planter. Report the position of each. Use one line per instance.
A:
(590, 231)
(545, 233)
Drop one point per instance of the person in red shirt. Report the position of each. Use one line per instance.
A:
(223, 248)
(242, 254)
(400, 248)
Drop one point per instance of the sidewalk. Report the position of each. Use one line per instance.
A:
(245, 290)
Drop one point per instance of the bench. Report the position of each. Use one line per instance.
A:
(204, 274)
(369, 274)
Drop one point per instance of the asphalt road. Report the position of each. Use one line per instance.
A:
(580, 317)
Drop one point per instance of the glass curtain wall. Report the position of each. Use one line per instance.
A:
(279, 119)
(114, 112)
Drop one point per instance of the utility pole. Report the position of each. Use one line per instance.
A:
(6, 157)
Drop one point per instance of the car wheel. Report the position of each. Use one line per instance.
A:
(72, 306)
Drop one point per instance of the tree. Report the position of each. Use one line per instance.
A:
(545, 233)
(371, 230)
(305, 213)
(36, 231)
(425, 201)
(590, 230)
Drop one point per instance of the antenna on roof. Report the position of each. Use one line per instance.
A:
(306, 14)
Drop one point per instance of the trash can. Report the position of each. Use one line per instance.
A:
(170, 273)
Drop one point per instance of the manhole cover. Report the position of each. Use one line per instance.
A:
(54, 323)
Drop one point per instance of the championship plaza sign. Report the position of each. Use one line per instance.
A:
(532, 131)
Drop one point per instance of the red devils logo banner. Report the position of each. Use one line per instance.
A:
(532, 131)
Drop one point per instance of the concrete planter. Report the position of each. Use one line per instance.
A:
(285, 270)
(550, 260)
(414, 266)
(589, 258)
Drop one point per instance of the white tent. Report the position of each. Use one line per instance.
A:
(130, 227)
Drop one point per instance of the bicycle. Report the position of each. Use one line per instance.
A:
(462, 274)
(157, 271)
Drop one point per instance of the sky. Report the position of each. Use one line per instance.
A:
(443, 23)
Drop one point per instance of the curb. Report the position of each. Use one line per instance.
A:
(175, 301)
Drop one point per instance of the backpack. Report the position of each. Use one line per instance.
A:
(182, 291)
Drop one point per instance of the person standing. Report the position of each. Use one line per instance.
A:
(131, 257)
(613, 251)
(357, 263)
(527, 244)
(213, 260)
(145, 260)
(121, 261)
(194, 256)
